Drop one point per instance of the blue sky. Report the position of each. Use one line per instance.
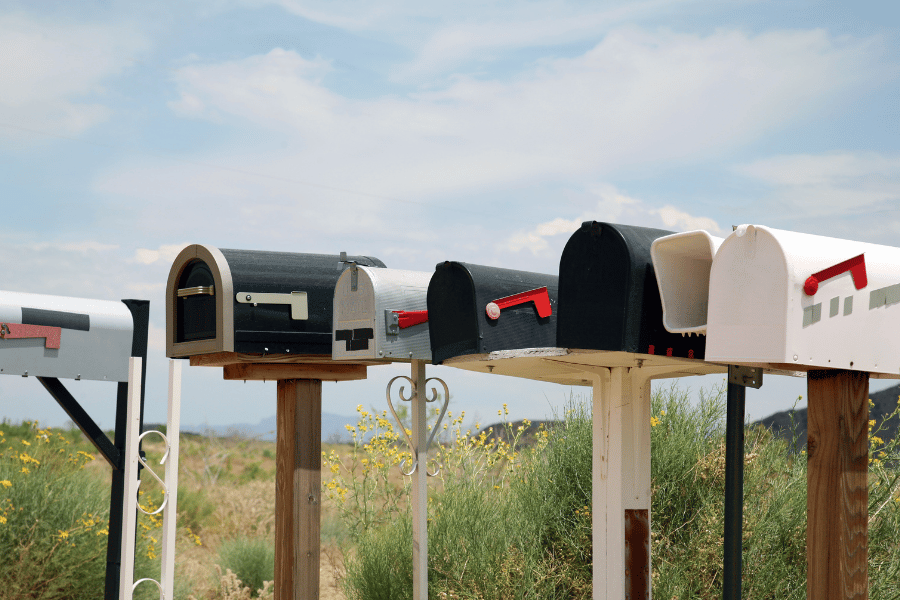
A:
(421, 132)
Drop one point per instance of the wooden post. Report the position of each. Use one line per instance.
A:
(621, 485)
(837, 492)
(298, 484)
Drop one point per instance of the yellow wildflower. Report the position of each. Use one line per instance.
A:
(6, 483)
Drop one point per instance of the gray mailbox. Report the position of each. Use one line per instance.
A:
(62, 337)
(381, 314)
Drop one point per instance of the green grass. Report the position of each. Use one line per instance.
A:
(251, 559)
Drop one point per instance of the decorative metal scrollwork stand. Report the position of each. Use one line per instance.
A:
(418, 445)
(165, 585)
(413, 446)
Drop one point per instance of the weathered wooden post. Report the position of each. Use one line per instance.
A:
(268, 316)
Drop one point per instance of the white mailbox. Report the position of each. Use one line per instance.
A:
(381, 314)
(795, 301)
(62, 337)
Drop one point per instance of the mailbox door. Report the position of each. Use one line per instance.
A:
(608, 295)
(458, 299)
(70, 338)
(258, 302)
(382, 318)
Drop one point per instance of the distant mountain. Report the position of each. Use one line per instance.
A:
(885, 402)
(333, 428)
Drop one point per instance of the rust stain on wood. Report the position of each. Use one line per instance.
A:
(637, 554)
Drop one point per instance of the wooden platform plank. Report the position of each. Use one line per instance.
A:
(271, 372)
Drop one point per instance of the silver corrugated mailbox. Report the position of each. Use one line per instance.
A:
(381, 314)
(62, 337)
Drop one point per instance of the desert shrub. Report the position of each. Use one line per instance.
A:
(251, 559)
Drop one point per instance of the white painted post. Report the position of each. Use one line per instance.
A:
(419, 482)
(129, 515)
(173, 431)
(133, 437)
(621, 484)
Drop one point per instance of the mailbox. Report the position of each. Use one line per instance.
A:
(793, 300)
(381, 314)
(61, 337)
(608, 295)
(475, 309)
(248, 301)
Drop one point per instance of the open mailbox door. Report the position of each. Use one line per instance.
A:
(381, 314)
(247, 301)
(61, 337)
(795, 301)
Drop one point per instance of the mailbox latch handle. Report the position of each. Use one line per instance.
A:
(354, 270)
(297, 301)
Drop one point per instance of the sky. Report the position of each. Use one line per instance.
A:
(417, 132)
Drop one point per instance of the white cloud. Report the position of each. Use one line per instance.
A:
(53, 73)
(610, 205)
(853, 195)
(832, 184)
(636, 98)
(166, 252)
(679, 220)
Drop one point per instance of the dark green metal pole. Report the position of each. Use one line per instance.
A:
(734, 490)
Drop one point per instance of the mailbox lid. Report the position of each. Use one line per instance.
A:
(761, 314)
(458, 296)
(216, 315)
(361, 327)
(608, 296)
(94, 337)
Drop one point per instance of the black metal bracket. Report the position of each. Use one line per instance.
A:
(84, 421)
(745, 376)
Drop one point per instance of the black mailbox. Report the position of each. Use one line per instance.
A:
(474, 309)
(248, 301)
(609, 298)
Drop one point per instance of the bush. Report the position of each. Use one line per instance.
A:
(251, 559)
(54, 517)
(504, 525)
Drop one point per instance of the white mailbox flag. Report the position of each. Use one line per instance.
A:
(62, 337)
(788, 300)
(381, 314)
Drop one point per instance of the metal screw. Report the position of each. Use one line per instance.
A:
(248, 297)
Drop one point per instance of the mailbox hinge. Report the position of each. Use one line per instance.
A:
(745, 376)
(297, 301)
(354, 270)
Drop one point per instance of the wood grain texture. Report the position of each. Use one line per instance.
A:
(837, 493)
(269, 372)
(298, 483)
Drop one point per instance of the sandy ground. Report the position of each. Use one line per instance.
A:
(330, 570)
